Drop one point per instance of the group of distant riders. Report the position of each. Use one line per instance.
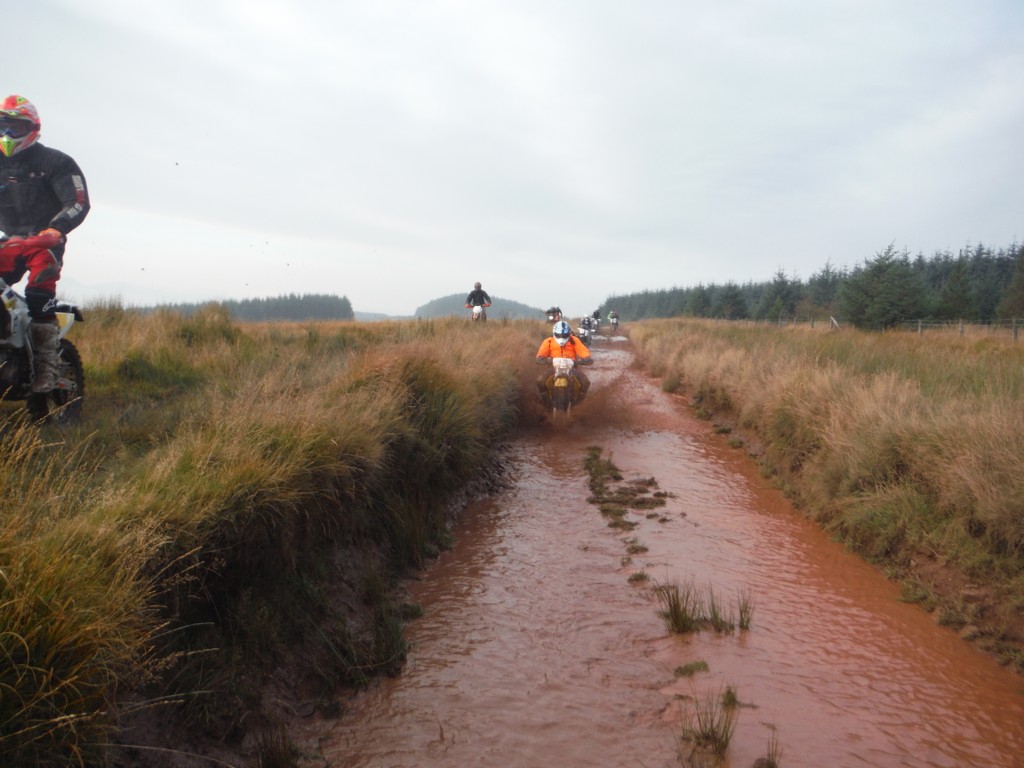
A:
(561, 343)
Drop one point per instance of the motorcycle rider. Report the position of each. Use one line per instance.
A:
(477, 297)
(554, 314)
(42, 192)
(561, 343)
(585, 330)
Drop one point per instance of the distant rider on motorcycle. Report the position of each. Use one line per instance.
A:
(477, 297)
(561, 343)
(42, 192)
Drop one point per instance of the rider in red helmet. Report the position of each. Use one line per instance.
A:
(42, 192)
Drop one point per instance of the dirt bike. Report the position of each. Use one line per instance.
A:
(17, 356)
(479, 312)
(584, 334)
(563, 388)
(615, 323)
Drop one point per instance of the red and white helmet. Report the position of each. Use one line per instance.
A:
(19, 125)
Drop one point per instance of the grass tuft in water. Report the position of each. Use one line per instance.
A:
(710, 724)
(774, 753)
(730, 699)
(680, 607)
(719, 621)
(612, 496)
(601, 470)
(634, 547)
(689, 670)
(686, 608)
(746, 608)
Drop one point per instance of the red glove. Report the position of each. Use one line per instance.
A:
(24, 246)
(47, 238)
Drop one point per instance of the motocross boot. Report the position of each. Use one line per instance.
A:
(44, 344)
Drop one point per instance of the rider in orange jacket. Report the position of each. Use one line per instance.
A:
(561, 343)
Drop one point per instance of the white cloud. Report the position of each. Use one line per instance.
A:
(558, 152)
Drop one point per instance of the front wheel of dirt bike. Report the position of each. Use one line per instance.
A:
(560, 419)
(561, 399)
(62, 405)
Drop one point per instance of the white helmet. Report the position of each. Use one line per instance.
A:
(561, 331)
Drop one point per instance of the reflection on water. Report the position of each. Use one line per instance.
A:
(535, 650)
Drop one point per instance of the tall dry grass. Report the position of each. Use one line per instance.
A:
(909, 447)
(76, 621)
(224, 480)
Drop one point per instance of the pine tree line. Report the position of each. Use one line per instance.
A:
(295, 307)
(977, 285)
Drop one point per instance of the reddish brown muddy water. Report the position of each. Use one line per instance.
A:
(536, 650)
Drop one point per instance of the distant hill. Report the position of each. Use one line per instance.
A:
(329, 307)
(455, 304)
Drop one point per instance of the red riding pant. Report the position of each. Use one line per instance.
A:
(43, 266)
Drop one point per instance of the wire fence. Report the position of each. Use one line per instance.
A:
(1009, 328)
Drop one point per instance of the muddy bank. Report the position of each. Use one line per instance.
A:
(153, 736)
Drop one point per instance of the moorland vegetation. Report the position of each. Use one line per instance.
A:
(235, 508)
(908, 447)
(232, 493)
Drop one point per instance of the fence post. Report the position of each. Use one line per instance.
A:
(920, 328)
(961, 327)
(1015, 329)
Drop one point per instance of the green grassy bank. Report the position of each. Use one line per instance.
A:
(908, 448)
(231, 492)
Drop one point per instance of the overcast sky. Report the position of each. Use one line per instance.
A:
(558, 151)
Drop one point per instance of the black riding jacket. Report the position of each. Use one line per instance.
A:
(478, 297)
(41, 188)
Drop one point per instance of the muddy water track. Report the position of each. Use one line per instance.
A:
(536, 648)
